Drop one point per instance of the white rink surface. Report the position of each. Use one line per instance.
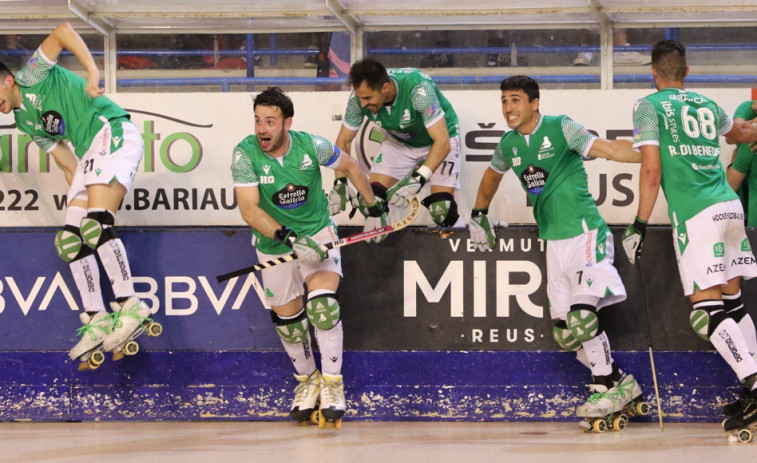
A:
(393, 442)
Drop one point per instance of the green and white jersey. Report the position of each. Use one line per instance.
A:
(746, 163)
(686, 126)
(290, 186)
(55, 106)
(550, 167)
(419, 104)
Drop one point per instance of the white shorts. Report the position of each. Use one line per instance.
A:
(712, 247)
(398, 160)
(285, 282)
(581, 267)
(97, 166)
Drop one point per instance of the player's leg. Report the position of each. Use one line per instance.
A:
(324, 313)
(735, 309)
(283, 291)
(445, 181)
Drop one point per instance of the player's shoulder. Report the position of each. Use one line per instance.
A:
(249, 144)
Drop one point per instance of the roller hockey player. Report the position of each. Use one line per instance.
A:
(277, 181)
(545, 152)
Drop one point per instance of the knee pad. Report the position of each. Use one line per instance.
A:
(443, 208)
(323, 310)
(582, 321)
(293, 330)
(564, 337)
(734, 307)
(97, 228)
(69, 245)
(704, 320)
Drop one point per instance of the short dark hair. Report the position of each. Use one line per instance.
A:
(370, 71)
(274, 96)
(5, 71)
(669, 59)
(529, 86)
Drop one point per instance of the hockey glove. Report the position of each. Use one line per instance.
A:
(285, 235)
(308, 251)
(481, 230)
(377, 217)
(632, 239)
(399, 195)
(341, 195)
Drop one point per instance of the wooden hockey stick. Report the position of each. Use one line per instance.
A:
(415, 206)
(649, 341)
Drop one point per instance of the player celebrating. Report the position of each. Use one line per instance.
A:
(545, 153)
(56, 106)
(277, 181)
(421, 128)
(677, 132)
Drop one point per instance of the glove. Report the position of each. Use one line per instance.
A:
(399, 195)
(341, 195)
(306, 249)
(377, 217)
(481, 230)
(633, 236)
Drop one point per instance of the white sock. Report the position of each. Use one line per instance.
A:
(730, 344)
(597, 350)
(85, 271)
(113, 257)
(330, 345)
(746, 325)
(300, 353)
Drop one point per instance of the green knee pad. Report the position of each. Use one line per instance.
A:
(323, 311)
(584, 324)
(68, 245)
(700, 322)
(97, 228)
(565, 339)
(293, 331)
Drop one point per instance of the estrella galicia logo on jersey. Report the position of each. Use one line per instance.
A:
(291, 196)
(53, 123)
(534, 179)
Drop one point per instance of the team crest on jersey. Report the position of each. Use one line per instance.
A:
(534, 178)
(53, 123)
(306, 162)
(291, 196)
(544, 150)
(406, 119)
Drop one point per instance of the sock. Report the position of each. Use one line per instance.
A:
(731, 345)
(300, 353)
(598, 354)
(85, 271)
(330, 344)
(734, 308)
(113, 257)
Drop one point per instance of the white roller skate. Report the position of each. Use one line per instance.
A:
(610, 408)
(306, 396)
(130, 320)
(95, 328)
(333, 403)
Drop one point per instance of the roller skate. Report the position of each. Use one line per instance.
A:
(610, 408)
(130, 320)
(731, 409)
(306, 396)
(333, 404)
(743, 425)
(95, 328)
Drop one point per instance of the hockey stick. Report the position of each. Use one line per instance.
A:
(649, 340)
(415, 206)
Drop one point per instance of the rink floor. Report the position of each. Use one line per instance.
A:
(417, 442)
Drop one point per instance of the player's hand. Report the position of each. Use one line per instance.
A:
(308, 251)
(399, 195)
(341, 195)
(632, 239)
(93, 88)
(376, 217)
(481, 230)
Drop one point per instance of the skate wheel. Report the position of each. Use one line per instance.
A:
(599, 426)
(117, 355)
(84, 366)
(321, 421)
(585, 425)
(338, 423)
(745, 436)
(154, 329)
(620, 423)
(131, 348)
(314, 417)
(642, 408)
(96, 359)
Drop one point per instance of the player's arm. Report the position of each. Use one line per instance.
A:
(649, 180)
(615, 150)
(487, 188)
(248, 199)
(64, 36)
(441, 146)
(735, 178)
(66, 159)
(350, 167)
(741, 132)
(481, 229)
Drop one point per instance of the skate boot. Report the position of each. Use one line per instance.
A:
(734, 407)
(744, 423)
(306, 396)
(333, 403)
(611, 407)
(95, 328)
(130, 320)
